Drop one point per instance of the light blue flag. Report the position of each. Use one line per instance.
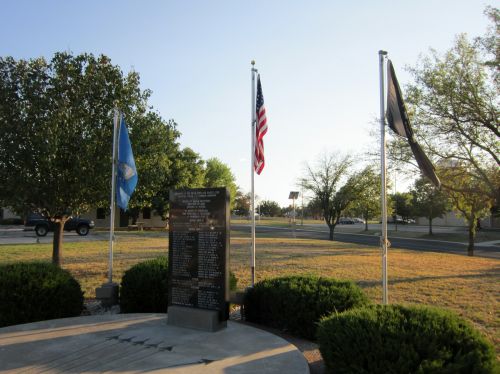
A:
(127, 173)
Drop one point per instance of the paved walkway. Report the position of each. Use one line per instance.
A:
(133, 343)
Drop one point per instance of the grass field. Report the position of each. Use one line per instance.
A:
(469, 286)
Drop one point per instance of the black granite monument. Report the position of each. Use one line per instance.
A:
(198, 279)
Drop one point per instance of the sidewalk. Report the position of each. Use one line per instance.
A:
(133, 343)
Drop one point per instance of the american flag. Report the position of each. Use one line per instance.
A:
(260, 130)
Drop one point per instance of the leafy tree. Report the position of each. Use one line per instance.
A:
(468, 197)
(155, 145)
(218, 174)
(454, 109)
(367, 203)
(56, 125)
(269, 208)
(242, 203)
(313, 208)
(325, 181)
(186, 170)
(402, 205)
(428, 201)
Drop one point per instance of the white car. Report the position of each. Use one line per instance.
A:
(358, 220)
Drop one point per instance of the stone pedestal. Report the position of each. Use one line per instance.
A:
(107, 294)
(192, 318)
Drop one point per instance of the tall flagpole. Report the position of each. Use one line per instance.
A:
(383, 239)
(252, 193)
(113, 187)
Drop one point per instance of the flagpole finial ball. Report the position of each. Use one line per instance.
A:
(252, 62)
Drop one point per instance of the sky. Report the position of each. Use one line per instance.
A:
(318, 62)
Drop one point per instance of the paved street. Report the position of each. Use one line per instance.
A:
(321, 232)
(17, 235)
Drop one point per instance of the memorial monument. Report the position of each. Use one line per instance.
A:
(198, 279)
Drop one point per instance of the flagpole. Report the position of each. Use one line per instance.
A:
(383, 239)
(113, 187)
(252, 193)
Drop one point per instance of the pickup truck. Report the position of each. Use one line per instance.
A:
(42, 225)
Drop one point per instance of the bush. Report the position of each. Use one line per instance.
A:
(36, 291)
(398, 339)
(296, 304)
(144, 287)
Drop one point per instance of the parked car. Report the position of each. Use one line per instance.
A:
(358, 220)
(42, 225)
(400, 221)
(346, 221)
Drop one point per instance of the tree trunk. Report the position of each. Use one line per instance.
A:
(332, 229)
(430, 225)
(366, 221)
(472, 236)
(57, 242)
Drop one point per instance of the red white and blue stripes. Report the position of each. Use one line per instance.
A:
(260, 130)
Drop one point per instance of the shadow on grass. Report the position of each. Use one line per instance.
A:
(491, 273)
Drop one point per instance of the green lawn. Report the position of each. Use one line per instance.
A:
(469, 286)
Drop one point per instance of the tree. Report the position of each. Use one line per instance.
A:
(402, 205)
(367, 203)
(218, 174)
(313, 209)
(186, 170)
(155, 145)
(454, 111)
(56, 126)
(454, 108)
(242, 203)
(428, 201)
(325, 182)
(468, 198)
(269, 208)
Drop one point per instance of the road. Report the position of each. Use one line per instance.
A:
(321, 232)
(16, 235)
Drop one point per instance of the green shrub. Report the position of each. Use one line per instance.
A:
(144, 287)
(36, 291)
(296, 304)
(398, 339)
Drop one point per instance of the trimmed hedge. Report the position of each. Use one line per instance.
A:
(37, 291)
(296, 303)
(144, 287)
(399, 339)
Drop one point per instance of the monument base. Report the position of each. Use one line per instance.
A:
(107, 294)
(197, 319)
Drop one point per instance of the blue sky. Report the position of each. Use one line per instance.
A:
(318, 62)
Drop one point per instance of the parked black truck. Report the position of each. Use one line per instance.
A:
(42, 225)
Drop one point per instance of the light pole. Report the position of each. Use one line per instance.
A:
(302, 208)
(293, 196)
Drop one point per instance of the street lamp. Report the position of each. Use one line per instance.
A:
(293, 196)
